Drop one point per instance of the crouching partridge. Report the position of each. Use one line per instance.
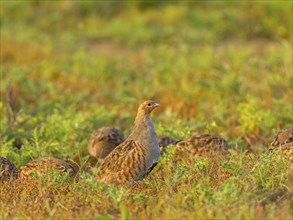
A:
(204, 145)
(43, 165)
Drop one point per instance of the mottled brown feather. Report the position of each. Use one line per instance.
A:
(284, 141)
(283, 137)
(42, 165)
(8, 170)
(204, 145)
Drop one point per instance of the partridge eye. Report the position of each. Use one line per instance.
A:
(149, 104)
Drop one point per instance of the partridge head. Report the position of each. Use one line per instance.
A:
(103, 140)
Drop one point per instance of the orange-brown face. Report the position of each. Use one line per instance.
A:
(148, 106)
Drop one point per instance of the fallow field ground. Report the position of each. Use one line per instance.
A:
(216, 67)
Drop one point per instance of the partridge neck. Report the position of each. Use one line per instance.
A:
(143, 128)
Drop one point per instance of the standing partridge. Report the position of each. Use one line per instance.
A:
(43, 165)
(204, 145)
(284, 141)
(134, 158)
(103, 141)
(8, 170)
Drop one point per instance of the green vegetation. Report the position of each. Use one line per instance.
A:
(221, 67)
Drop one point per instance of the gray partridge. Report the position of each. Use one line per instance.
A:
(165, 141)
(103, 141)
(204, 145)
(8, 170)
(284, 141)
(43, 165)
(134, 158)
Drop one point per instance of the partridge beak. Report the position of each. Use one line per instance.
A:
(156, 105)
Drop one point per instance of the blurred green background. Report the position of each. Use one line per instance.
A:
(222, 67)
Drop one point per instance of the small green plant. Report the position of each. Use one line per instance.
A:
(253, 117)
